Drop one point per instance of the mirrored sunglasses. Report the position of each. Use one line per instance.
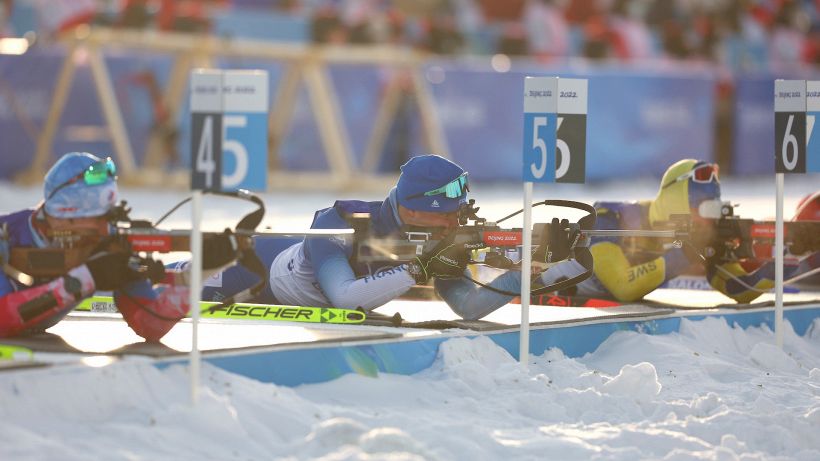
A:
(96, 174)
(706, 173)
(453, 189)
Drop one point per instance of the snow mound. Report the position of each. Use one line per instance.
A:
(483, 350)
(706, 405)
(477, 363)
(334, 433)
(771, 357)
(640, 381)
(393, 443)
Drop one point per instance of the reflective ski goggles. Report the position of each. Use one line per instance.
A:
(96, 174)
(453, 189)
(705, 173)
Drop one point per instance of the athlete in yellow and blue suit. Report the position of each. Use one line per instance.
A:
(627, 269)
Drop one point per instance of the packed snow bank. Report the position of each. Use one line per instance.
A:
(711, 391)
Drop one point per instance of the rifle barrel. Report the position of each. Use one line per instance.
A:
(185, 232)
(632, 233)
(304, 233)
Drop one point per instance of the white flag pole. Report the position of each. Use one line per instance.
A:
(196, 288)
(540, 128)
(206, 150)
(790, 104)
(778, 262)
(526, 270)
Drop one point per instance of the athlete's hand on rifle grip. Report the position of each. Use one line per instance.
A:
(219, 250)
(804, 240)
(445, 260)
(112, 270)
(554, 246)
(153, 270)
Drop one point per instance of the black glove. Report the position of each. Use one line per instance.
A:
(555, 244)
(218, 250)
(803, 239)
(151, 269)
(112, 270)
(445, 260)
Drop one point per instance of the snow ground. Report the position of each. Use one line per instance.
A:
(709, 392)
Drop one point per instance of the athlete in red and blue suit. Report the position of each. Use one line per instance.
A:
(80, 189)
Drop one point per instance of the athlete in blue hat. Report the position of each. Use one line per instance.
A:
(322, 271)
(80, 190)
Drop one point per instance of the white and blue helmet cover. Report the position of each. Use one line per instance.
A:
(78, 199)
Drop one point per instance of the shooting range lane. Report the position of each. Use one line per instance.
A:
(261, 345)
(320, 352)
(98, 333)
(102, 333)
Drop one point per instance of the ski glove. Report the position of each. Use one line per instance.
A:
(219, 250)
(446, 260)
(555, 245)
(112, 270)
(804, 240)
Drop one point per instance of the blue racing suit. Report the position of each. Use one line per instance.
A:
(321, 271)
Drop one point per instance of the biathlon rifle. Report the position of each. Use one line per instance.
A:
(722, 235)
(141, 238)
(494, 241)
(488, 243)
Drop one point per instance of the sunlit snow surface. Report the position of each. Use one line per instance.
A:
(709, 392)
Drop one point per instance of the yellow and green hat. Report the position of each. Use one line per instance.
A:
(684, 186)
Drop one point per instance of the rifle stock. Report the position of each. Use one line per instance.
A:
(731, 237)
(139, 237)
(493, 241)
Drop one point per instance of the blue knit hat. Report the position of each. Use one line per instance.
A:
(426, 173)
(68, 195)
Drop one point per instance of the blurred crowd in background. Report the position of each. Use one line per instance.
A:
(741, 35)
(736, 48)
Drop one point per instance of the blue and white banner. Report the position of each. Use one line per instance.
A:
(643, 121)
(753, 129)
(540, 128)
(571, 147)
(812, 129)
(245, 135)
(206, 129)
(790, 126)
(229, 129)
(640, 123)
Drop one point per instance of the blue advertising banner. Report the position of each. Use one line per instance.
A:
(754, 126)
(638, 122)
(26, 90)
(812, 129)
(27, 85)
